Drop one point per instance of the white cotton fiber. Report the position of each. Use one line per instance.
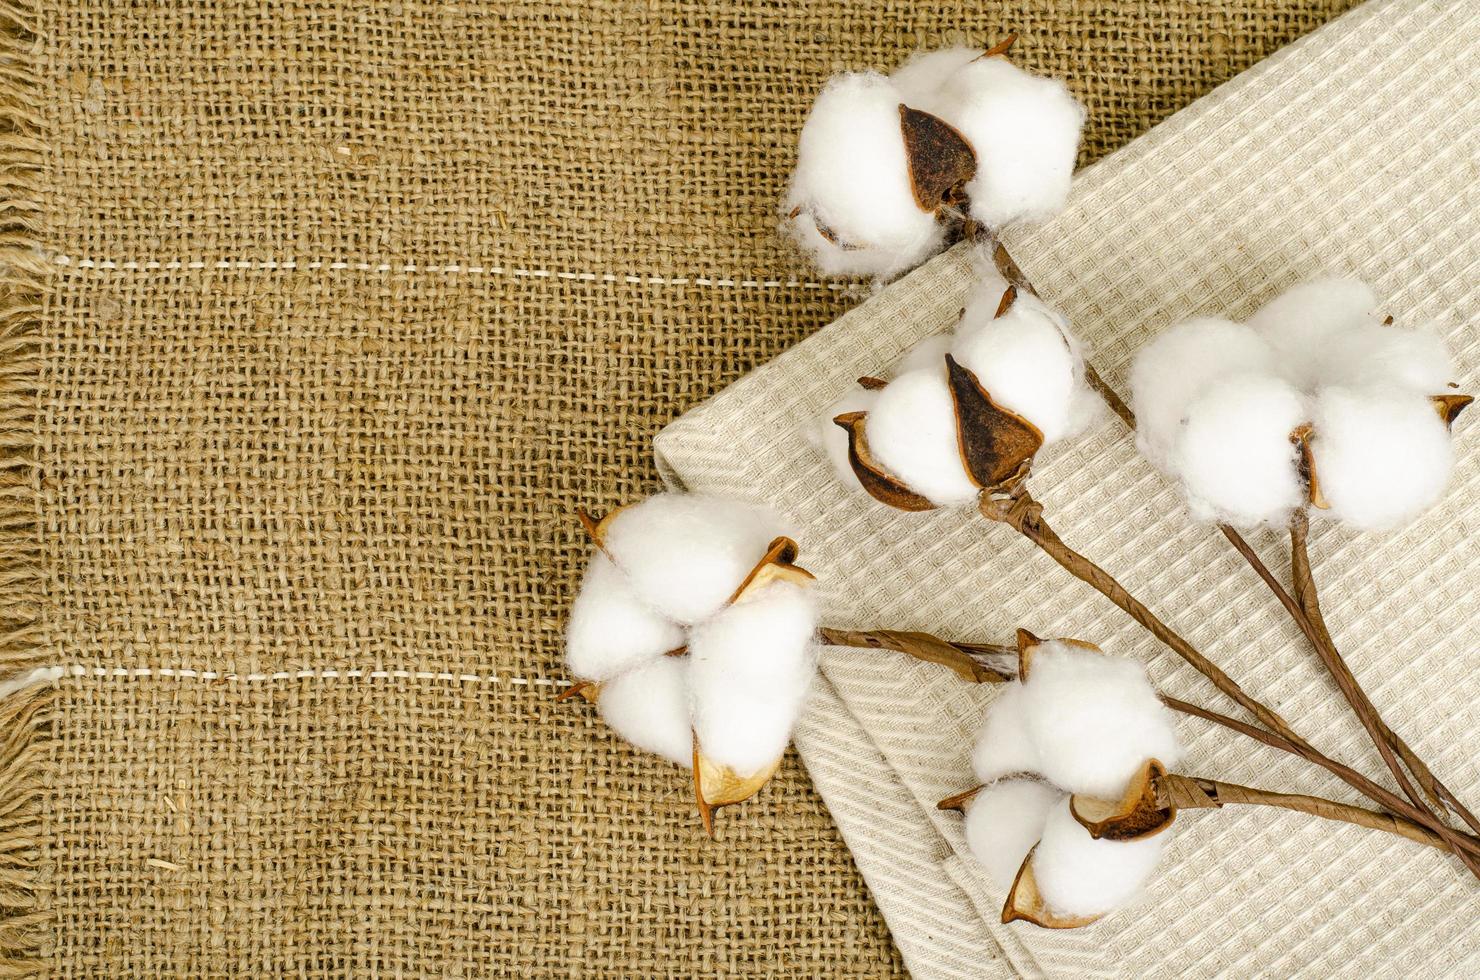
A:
(1004, 821)
(1078, 875)
(1023, 359)
(1180, 364)
(920, 80)
(1025, 131)
(1373, 354)
(928, 353)
(1003, 745)
(831, 439)
(1094, 720)
(685, 554)
(1234, 453)
(610, 628)
(853, 178)
(750, 668)
(1382, 455)
(912, 434)
(1305, 323)
(649, 707)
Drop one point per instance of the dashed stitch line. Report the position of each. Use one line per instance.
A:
(81, 670)
(454, 269)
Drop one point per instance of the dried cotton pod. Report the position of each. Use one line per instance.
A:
(885, 165)
(693, 635)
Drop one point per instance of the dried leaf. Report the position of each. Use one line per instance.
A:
(1302, 437)
(778, 564)
(1135, 815)
(1024, 902)
(934, 650)
(1449, 406)
(940, 158)
(879, 484)
(995, 443)
(870, 383)
(718, 786)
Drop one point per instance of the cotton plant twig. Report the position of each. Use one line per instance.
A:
(1022, 508)
(1002, 671)
(1309, 602)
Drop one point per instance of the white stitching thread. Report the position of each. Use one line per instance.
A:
(81, 670)
(453, 269)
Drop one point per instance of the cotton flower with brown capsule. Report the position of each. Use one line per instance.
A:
(888, 167)
(1066, 755)
(1314, 401)
(965, 412)
(692, 633)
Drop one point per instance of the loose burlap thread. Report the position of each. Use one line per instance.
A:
(317, 321)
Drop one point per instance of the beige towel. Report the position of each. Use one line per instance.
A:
(1353, 151)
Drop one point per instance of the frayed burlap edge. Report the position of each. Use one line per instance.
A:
(24, 702)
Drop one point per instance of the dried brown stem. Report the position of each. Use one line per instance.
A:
(1191, 792)
(1388, 742)
(1003, 657)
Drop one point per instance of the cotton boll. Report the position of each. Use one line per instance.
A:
(1025, 131)
(929, 353)
(649, 707)
(1080, 876)
(1234, 454)
(852, 177)
(1003, 823)
(831, 440)
(920, 80)
(1303, 324)
(610, 628)
(686, 554)
(1003, 746)
(1382, 456)
(912, 433)
(1373, 354)
(1094, 720)
(1177, 366)
(750, 668)
(1024, 361)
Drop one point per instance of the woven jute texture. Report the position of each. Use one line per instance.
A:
(318, 319)
(1351, 151)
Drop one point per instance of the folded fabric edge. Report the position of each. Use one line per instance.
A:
(933, 921)
(25, 692)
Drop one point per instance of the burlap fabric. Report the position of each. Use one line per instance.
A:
(1351, 151)
(318, 320)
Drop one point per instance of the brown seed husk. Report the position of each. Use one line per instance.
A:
(958, 801)
(1026, 903)
(1134, 816)
(1028, 644)
(1000, 48)
(994, 443)
(718, 786)
(596, 529)
(1009, 297)
(778, 564)
(870, 383)
(589, 690)
(941, 160)
(1449, 406)
(1302, 437)
(878, 484)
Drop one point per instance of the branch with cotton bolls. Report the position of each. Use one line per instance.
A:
(692, 634)
(891, 168)
(1077, 799)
